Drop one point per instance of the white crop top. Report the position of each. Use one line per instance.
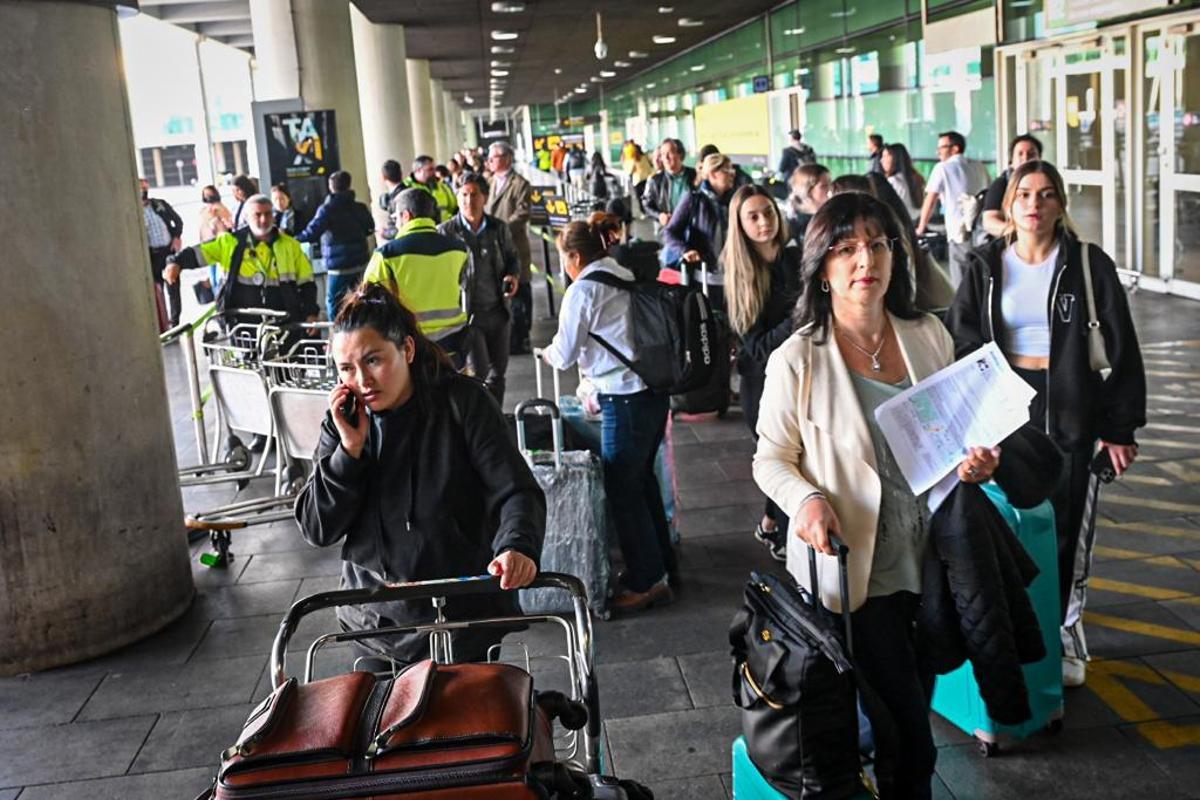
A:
(1025, 303)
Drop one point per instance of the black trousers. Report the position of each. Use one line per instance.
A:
(750, 395)
(1068, 496)
(158, 261)
(885, 653)
(522, 318)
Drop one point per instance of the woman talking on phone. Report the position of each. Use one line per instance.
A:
(417, 478)
(1027, 292)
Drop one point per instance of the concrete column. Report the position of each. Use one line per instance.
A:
(92, 549)
(453, 134)
(438, 96)
(420, 101)
(471, 130)
(380, 63)
(276, 65)
(324, 48)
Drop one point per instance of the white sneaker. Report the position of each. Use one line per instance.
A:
(1074, 672)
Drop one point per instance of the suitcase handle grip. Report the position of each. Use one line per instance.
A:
(522, 410)
(537, 375)
(843, 551)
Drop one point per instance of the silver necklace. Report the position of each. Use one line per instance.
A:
(875, 365)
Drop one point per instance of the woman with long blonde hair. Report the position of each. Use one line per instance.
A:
(762, 281)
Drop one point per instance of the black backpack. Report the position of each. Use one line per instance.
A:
(674, 334)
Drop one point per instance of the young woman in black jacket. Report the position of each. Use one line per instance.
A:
(1026, 292)
(419, 480)
(762, 282)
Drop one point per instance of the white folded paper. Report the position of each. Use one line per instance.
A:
(975, 402)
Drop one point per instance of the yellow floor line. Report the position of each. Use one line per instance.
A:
(1189, 683)
(1152, 443)
(1166, 426)
(1117, 552)
(1145, 502)
(1106, 679)
(1150, 527)
(1186, 343)
(1143, 628)
(1167, 362)
(1148, 480)
(1147, 558)
(1136, 589)
(1181, 470)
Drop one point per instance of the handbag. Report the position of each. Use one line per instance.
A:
(1097, 352)
(798, 690)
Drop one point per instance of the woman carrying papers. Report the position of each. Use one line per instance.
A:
(822, 459)
(1027, 292)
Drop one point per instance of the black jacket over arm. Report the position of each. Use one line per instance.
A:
(1083, 404)
(441, 503)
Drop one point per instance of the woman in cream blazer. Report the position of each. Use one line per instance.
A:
(858, 341)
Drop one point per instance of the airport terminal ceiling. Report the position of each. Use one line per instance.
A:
(457, 38)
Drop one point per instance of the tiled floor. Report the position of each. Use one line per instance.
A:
(149, 721)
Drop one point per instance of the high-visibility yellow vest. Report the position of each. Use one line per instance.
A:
(429, 273)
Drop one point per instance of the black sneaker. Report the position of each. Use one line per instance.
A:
(773, 541)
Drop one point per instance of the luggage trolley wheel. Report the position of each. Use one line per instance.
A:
(295, 479)
(1054, 726)
(237, 455)
(988, 749)
(218, 534)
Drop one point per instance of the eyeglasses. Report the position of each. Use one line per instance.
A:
(847, 250)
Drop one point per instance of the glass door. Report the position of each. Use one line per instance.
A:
(1177, 68)
(1091, 139)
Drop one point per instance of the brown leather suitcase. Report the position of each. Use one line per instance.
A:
(434, 732)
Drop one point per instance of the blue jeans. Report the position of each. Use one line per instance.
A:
(631, 430)
(338, 285)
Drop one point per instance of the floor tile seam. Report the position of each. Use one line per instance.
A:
(199, 641)
(103, 677)
(82, 781)
(157, 719)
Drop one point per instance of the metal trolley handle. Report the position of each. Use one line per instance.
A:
(458, 587)
(522, 410)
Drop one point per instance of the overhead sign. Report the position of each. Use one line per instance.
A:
(492, 130)
(579, 122)
(547, 207)
(1084, 13)
(301, 144)
(739, 127)
(762, 83)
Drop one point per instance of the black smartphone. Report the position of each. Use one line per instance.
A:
(1102, 466)
(349, 409)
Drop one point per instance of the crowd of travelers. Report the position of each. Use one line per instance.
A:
(836, 304)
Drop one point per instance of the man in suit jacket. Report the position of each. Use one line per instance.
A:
(509, 200)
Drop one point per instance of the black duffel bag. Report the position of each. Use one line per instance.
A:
(795, 681)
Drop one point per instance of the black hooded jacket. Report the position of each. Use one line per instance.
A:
(438, 491)
(1082, 405)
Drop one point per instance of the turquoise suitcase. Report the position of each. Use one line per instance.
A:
(748, 782)
(956, 694)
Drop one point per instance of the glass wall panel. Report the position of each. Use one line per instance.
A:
(1085, 204)
(1187, 237)
(1085, 134)
(1152, 139)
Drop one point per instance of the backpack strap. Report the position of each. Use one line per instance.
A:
(608, 279)
(235, 266)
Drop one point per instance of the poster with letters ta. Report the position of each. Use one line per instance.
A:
(302, 144)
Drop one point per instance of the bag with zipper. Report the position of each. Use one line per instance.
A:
(674, 334)
(714, 394)
(795, 681)
(435, 731)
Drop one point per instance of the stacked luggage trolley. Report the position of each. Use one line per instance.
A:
(267, 381)
(431, 729)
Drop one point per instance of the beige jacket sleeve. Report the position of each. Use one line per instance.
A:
(777, 460)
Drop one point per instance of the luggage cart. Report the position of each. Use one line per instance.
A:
(297, 398)
(240, 390)
(579, 749)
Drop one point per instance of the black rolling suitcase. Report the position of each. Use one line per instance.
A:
(715, 394)
(795, 681)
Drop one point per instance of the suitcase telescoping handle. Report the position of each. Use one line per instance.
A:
(685, 275)
(524, 408)
(555, 376)
(843, 551)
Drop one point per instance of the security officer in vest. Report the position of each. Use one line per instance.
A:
(429, 272)
(424, 177)
(269, 268)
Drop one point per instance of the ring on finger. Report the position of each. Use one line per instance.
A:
(972, 472)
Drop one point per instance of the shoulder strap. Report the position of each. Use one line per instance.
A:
(608, 279)
(1089, 294)
(235, 266)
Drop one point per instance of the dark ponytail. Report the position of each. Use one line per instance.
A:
(373, 306)
(590, 239)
